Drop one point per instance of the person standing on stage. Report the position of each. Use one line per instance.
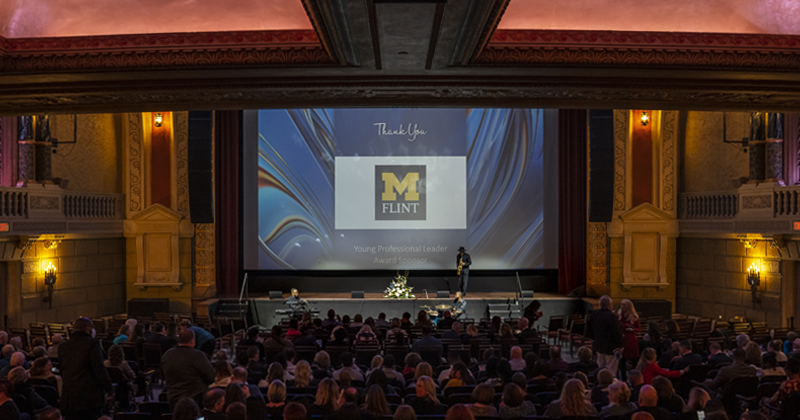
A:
(463, 261)
(459, 306)
(603, 327)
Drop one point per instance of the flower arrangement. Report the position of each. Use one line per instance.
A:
(398, 288)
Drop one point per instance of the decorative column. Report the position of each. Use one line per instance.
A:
(33, 136)
(774, 149)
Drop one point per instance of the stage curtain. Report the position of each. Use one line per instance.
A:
(572, 131)
(227, 138)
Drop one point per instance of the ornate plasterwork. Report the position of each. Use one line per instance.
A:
(204, 254)
(135, 190)
(597, 252)
(620, 147)
(757, 202)
(648, 49)
(668, 141)
(181, 133)
(38, 202)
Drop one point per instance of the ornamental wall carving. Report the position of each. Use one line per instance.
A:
(135, 163)
(181, 187)
(669, 156)
(757, 202)
(621, 129)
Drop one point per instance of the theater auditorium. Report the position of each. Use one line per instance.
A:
(399, 209)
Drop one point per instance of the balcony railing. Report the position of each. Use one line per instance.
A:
(710, 205)
(53, 204)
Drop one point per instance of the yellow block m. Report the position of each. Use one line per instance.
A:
(391, 183)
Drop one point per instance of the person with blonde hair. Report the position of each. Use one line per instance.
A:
(423, 369)
(276, 397)
(303, 376)
(327, 398)
(514, 404)
(322, 365)
(698, 398)
(405, 412)
(572, 402)
(650, 369)
(619, 404)
(629, 322)
(425, 401)
(459, 412)
(223, 374)
(483, 395)
(376, 363)
(19, 378)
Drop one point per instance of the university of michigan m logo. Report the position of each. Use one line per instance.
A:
(400, 192)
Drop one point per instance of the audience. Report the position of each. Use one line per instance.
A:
(186, 409)
(187, 371)
(698, 398)
(213, 404)
(375, 403)
(483, 395)
(556, 363)
(650, 369)
(666, 395)
(737, 369)
(619, 401)
(648, 403)
(427, 341)
(85, 380)
(572, 402)
(404, 412)
(686, 357)
(425, 400)
(717, 356)
(347, 366)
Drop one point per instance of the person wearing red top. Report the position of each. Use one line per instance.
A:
(293, 332)
(650, 369)
(629, 322)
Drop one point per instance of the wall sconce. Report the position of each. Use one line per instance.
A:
(49, 281)
(754, 280)
(644, 119)
(159, 119)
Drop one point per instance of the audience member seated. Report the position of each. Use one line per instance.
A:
(572, 402)
(276, 398)
(483, 395)
(187, 371)
(41, 373)
(236, 411)
(423, 321)
(427, 341)
(540, 372)
(283, 360)
(498, 372)
(256, 371)
(294, 329)
(650, 369)
(240, 377)
(737, 369)
(776, 347)
(213, 404)
(752, 354)
(648, 403)
(405, 321)
(669, 351)
(425, 401)
(666, 395)
(460, 376)
(453, 357)
(716, 356)
(160, 337)
(698, 398)
(17, 360)
(251, 339)
(122, 334)
(472, 333)
(222, 375)
(686, 357)
(791, 384)
(375, 403)
(293, 411)
(347, 366)
(116, 359)
(366, 335)
(769, 366)
(275, 343)
(303, 376)
(308, 338)
(795, 349)
(322, 365)
(137, 336)
(8, 409)
(35, 403)
(56, 341)
(411, 361)
(381, 322)
(526, 334)
(327, 398)
(446, 322)
(516, 360)
(619, 396)
(204, 341)
(235, 393)
(391, 373)
(7, 351)
(396, 335)
(186, 409)
(378, 377)
(556, 363)
(453, 333)
(635, 383)
(585, 362)
(599, 394)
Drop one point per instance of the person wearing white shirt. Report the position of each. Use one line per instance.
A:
(517, 362)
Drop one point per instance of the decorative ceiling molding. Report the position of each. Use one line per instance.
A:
(330, 24)
(479, 24)
(641, 49)
(173, 51)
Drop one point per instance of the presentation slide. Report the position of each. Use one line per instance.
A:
(399, 189)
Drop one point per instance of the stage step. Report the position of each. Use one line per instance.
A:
(509, 309)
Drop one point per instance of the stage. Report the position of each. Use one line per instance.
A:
(478, 304)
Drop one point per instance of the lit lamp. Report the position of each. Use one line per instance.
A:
(644, 119)
(159, 119)
(49, 281)
(754, 280)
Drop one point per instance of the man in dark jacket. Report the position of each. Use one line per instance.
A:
(187, 371)
(86, 383)
(716, 356)
(687, 357)
(603, 327)
(160, 337)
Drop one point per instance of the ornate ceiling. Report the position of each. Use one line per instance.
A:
(400, 53)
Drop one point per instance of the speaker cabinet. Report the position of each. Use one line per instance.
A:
(601, 164)
(275, 294)
(201, 184)
(357, 294)
(442, 294)
(145, 308)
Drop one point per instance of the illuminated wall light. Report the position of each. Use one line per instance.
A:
(49, 282)
(644, 119)
(754, 280)
(159, 119)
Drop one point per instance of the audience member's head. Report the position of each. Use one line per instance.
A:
(605, 302)
(522, 324)
(572, 399)
(685, 347)
(50, 414)
(8, 350)
(648, 396)
(698, 397)
(619, 393)
(214, 400)
(642, 415)
(56, 339)
(459, 412)
(769, 361)
(752, 353)
(516, 352)
(413, 359)
(423, 369)
(739, 355)
(4, 338)
(793, 367)
(742, 340)
(303, 374)
(483, 394)
(604, 378)
(239, 375)
(663, 387)
(276, 393)
(186, 409)
(405, 412)
(6, 389)
(635, 377)
(328, 395)
(426, 388)
(714, 348)
(388, 361)
(519, 379)
(796, 344)
(186, 338)
(83, 324)
(17, 359)
(376, 403)
(236, 392)
(294, 411)
(585, 355)
(237, 411)
(322, 359)
(555, 353)
(513, 395)
(275, 372)
(18, 376)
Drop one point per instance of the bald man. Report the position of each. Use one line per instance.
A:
(648, 403)
(17, 360)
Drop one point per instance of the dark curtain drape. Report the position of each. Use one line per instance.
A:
(227, 139)
(572, 128)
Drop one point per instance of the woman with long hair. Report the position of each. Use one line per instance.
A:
(378, 377)
(223, 374)
(459, 412)
(649, 368)
(460, 375)
(41, 373)
(405, 412)
(514, 404)
(303, 377)
(571, 403)
(236, 392)
(422, 320)
(376, 363)
(122, 334)
(412, 360)
(698, 398)
(116, 359)
(275, 373)
(666, 395)
(629, 322)
(276, 398)
(425, 401)
(423, 369)
(376, 403)
(752, 354)
(483, 395)
(327, 398)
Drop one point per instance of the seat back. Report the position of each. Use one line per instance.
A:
(556, 323)
(156, 409)
(49, 393)
(151, 355)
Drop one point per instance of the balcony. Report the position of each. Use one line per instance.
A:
(761, 208)
(47, 209)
